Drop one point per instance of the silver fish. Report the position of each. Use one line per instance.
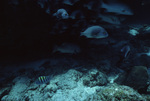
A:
(112, 19)
(117, 8)
(42, 4)
(70, 2)
(95, 32)
(61, 14)
(67, 48)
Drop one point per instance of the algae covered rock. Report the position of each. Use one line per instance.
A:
(116, 92)
(18, 89)
(95, 78)
(136, 78)
(68, 80)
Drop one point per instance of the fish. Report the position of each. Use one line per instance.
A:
(117, 8)
(70, 2)
(41, 3)
(89, 5)
(92, 5)
(43, 80)
(145, 29)
(125, 50)
(137, 29)
(95, 32)
(133, 32)
(67, 48)
(44, 5)
(112, 19)
(61, 14)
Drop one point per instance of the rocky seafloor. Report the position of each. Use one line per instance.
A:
(38, 42)
(72, 80)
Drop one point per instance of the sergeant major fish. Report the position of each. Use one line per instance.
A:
(43, 80)
(95, 32)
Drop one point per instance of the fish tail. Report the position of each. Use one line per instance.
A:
(82, 34)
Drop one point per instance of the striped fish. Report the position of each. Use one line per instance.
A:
(43, 80)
